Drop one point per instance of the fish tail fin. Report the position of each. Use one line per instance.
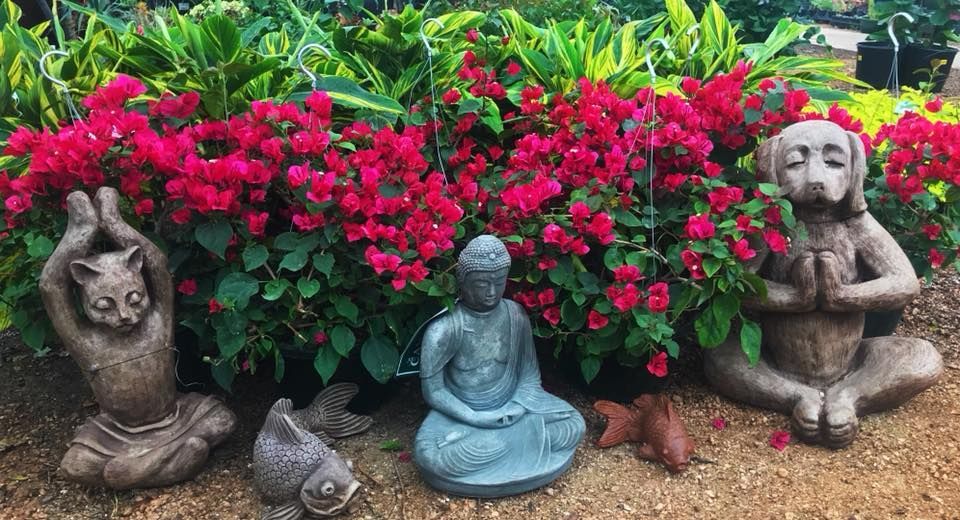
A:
(618, 422)
(331, 405)
(289, 511)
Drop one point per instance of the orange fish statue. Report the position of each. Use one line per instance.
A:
(652, 422)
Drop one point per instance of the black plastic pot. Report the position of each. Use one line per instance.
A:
(878, 324)
(917, 62)
(301, 383)
(875, 63)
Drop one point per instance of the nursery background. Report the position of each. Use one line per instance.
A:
(311, 169)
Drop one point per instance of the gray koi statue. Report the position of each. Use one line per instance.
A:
(295, 473)
(327, 416)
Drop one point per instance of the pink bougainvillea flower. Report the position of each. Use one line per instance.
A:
(626, 274)
(741, 249)
(775, 241)
(256, 222)
(187, 287)
(180, 107)
(658, 364)
(932, 230)
(320, 337)
(213, 306)
(936, 258)
(779, 439)
(596, 321)
(451, 96)
(404, 456)
(719, 423)
(624, 298)
(694, 263)
(513, 68)
(744, 224)
(659, 298)
(934, 105)
(472, 35)
(552, 315)
(699, 227)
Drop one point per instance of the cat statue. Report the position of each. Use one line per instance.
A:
(146, 434)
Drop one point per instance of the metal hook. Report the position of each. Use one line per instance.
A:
(893, 37)
(696, 41)
(308, 72)
(71, 108)
(424, 38)
(43, 68)
(646, 57)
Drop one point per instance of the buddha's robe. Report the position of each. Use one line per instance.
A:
(468, 460)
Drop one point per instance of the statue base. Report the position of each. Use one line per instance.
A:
(105, 453)
(498, 490)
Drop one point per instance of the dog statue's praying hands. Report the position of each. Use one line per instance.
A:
(815, 365)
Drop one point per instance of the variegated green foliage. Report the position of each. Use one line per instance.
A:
(561, 53)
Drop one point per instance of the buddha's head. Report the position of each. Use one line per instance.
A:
(482, 272)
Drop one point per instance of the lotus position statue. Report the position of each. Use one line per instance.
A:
(492, 430)
(815, 363)
(146, 434)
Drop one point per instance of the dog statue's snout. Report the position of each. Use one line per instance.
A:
(816, 186)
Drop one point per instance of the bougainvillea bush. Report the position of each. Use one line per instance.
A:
(287, 231)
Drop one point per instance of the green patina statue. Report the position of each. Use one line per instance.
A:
(492, 430)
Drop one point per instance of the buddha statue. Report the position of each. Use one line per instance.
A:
(492, 430)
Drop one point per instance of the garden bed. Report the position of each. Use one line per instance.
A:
(905, 463)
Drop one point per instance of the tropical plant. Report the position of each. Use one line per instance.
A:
(558, 54)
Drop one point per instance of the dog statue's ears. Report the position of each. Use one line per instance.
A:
(766, 159)
(856, 203)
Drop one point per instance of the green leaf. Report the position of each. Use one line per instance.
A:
(345, 91)
(711, 266)
(323, 263)
(750, 335)
(222, 38)
(710, 332)
(673, 349)
(590, 367)
(726, 306)
(231, 332)
(237, 287)
(346, 308)
(380, 358)
(308, 287)
(254, 256)
(343, 340)
(612, 258)
(40, 247)
(214, 236)
(274, 289)
(391, 445)
(325, 363)
(573, 315)
(223, 373)
(562, 272)
(294, 260)
(287, 241)
(279, 366)
(34, 334)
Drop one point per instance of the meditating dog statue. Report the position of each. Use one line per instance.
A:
(815, 363)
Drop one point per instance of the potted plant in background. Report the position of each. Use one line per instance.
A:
(924, 55)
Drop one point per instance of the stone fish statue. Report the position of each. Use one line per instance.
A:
(815, 364)
(652, 422)
(146, 434)
(492, 430)
(295, 473)
(327, 416)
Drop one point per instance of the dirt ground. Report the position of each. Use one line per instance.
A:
(904, 464)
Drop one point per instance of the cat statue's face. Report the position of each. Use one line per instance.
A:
(112, 288)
